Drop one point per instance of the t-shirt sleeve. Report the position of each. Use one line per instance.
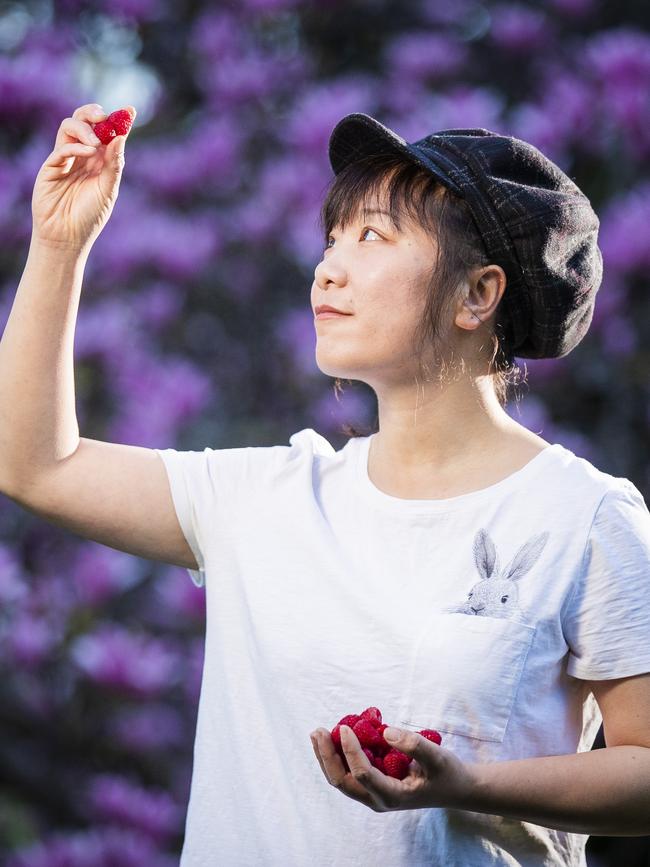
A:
(607, 622)
(192, 493)
(212, 490)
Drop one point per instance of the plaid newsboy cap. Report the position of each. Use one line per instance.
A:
(535, 223)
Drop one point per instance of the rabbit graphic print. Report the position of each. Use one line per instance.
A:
(496, 593)
(484, 639)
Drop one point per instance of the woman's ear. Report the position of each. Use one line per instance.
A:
(485, 288)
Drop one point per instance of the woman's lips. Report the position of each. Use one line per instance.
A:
(329, 314)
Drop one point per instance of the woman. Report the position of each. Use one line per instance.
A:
(453, 569)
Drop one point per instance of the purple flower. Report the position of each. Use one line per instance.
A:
(115, 799)
(103, 847)
(140, 235)
(30, 639)
(151, 728)
(207, 159)
(624, 235)
(194, 671)
(215, 33)
(127, 662)
(156, 397)
(101, 573)
(518, 28)
(103, 326)
(424, 55)
(158, 305)
(179, 596)
(619, 336)
(294, 331)
(13, 588)
(330, 412)
(461, 106)
(314, 113)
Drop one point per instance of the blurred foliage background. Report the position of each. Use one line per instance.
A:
(195, 326)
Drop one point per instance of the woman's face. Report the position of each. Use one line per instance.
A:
(378, 275)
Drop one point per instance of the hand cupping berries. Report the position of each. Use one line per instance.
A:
(117, 123)
(369, 729)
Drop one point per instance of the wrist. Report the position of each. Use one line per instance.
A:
(58, 249)
(473, 793)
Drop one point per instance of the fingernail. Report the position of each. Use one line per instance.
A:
(391, 734)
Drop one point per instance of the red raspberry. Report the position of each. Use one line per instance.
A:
(117, 123)
(431, 735)
(370, 755)
(396, 764)
(350, 720)
(379, 764)
(367, 734)
(373, 715)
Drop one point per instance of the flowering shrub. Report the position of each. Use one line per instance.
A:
(195, 324)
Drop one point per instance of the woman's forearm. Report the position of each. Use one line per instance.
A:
(38, 420)
(602, 792)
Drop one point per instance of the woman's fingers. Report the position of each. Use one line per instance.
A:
(60, 156)
(76, 131)
(335, 773)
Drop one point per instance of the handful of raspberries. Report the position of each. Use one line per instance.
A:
(369, 728)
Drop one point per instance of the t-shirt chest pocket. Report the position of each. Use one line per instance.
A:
(464, 674)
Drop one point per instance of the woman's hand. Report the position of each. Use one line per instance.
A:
(436, 777)
(76, 187)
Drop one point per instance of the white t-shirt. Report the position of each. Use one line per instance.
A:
(326, 595)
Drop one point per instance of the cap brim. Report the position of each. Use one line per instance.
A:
(358, 135)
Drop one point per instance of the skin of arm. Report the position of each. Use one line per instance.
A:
(38, 420)
(601, 792)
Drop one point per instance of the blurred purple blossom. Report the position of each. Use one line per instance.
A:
(194, 668)
(214, 33)
(141, 235)
(519, 28)
(151, 728)
(125, 661)
(100, 572)
(620, 61)
(155, 397)
(624, 235)
(105, 847)
(179, 596)
(418, 55)
(206, 160)
(329, 412)
(29, 639)
(115, 799)
(104, 327)
(619, 337)
(36, 80)
(461, 106)
(562, 117)
(251, 76)
(13, 588)
(158, 305)
(316, 111)
(294, 331)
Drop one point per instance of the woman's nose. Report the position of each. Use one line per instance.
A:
(327, 272)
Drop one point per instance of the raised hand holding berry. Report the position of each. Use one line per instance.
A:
(77, 186)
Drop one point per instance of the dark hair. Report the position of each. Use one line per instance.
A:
(413, 191)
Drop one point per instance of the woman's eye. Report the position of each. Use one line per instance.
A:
(363, 232)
